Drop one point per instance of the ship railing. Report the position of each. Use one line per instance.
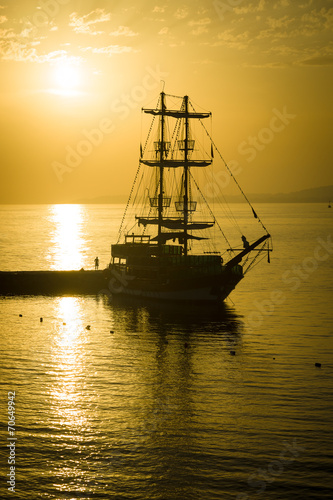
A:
(137, 238)
(166, 202)
(182, 145)
(191, 206)
(158, 146)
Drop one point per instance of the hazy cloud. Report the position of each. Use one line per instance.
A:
(181, 13)
(309, 24)
(200, 26)
(293, 32)
(17, 46)
(86, 24)
(164, 31)
(250, 8)
(228, 38)
(306, 5)
(159, 9)
(318, 61)
(15, 50)
(200, 22)
(110, 50)
(20, 46)
(123, 31)
(278, 23)
(281, 3)
(316, 20)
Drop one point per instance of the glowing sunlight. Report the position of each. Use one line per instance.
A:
(67, 78)
(68, 242)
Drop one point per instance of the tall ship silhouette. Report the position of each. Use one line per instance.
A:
(171, 246)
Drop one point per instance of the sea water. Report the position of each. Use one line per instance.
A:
(144, 401)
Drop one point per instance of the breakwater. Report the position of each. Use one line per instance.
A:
(51, 282)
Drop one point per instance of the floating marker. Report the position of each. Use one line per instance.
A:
(20, 315)
(64, 323)
(318, 365)
(41, 320)
(233, 353)
(111, 331)
(88, 327)
(186, 344)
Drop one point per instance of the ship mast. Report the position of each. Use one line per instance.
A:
(161, 167)
(186, 174)
(179, 225)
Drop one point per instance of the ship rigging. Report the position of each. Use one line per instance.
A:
(160, 257)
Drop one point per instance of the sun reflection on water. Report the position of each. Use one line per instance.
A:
(69, 366)
(67, 238)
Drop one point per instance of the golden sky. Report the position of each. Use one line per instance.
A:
(75, 74)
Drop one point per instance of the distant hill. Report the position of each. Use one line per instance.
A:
(322, 194)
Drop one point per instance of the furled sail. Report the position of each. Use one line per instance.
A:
(164, 237)
(176, 163)
(174, 113)
(175, 223)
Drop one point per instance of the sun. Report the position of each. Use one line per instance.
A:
(67, 75)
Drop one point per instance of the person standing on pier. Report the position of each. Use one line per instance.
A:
(96, 263)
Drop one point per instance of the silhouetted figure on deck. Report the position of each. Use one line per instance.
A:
(246, 244)
(96, 263)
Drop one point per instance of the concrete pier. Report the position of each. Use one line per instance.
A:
(51, 282)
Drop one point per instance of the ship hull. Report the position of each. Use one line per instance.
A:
(203, 289)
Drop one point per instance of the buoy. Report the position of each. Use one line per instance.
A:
(88, 327)
(186, 344)
(64, 323)
(111, 331)
(318, 365)
(273, 358)
(20, 315)
(232, 353)
(41, 320)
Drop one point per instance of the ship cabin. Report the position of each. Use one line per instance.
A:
(140, 250)
(140, 255)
